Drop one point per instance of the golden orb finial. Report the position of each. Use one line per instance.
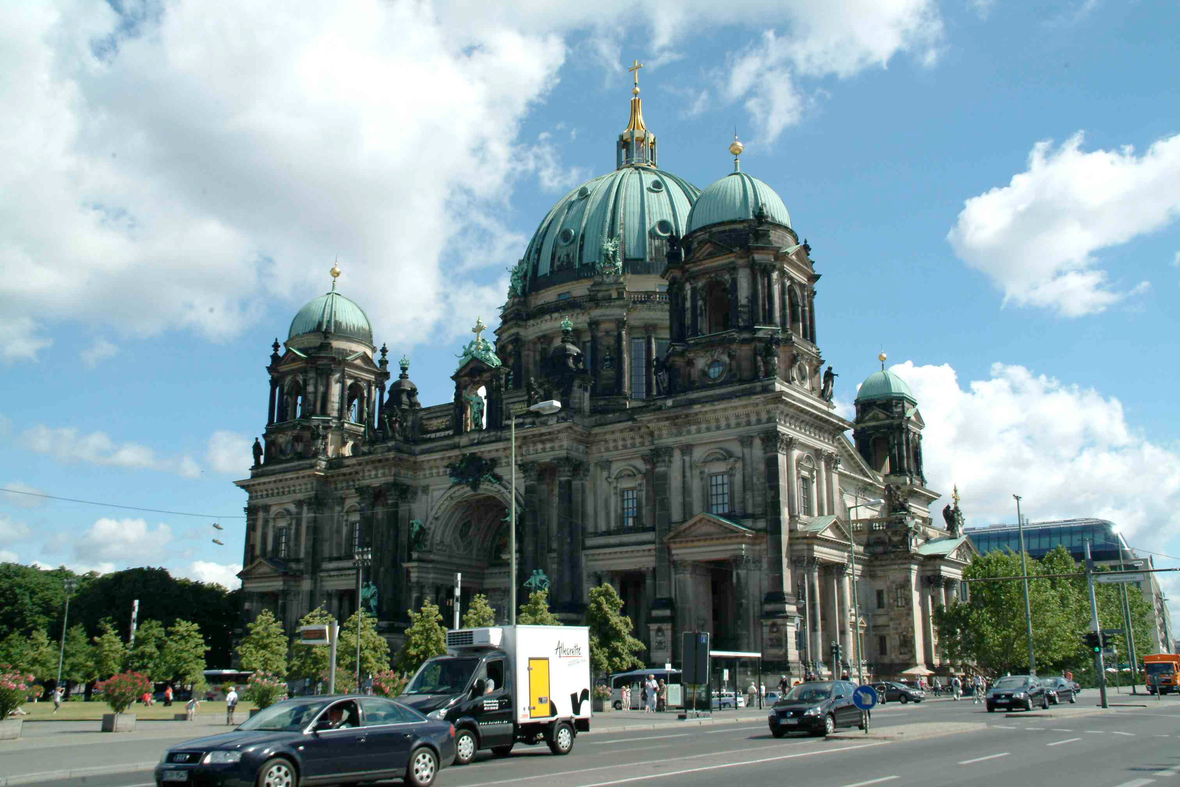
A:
(335, 273)
(736, 148)
(882, 358)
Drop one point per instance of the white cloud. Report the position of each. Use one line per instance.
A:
(543, 159)
(1036, 237)
(11, 530)
(7, 556)
(224, 574)
(67, 444)
(230, 452)
(18, 336)
(19, 500)
(124, 541)
(98, 352)
(1068, 451)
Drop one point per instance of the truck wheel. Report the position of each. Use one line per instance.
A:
(502, 751)
(465, 747)
(562, 741)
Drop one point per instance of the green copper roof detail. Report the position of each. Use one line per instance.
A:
(334, 313)
(737, 197)
(479, 347)
(884, 385)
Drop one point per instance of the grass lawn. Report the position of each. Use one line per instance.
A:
(93, 711)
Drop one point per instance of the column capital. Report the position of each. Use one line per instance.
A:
(531, 471)
(569, 467)
(831, 459)
(685, 450)
(661, 456)
(746, 440)
(604, 465)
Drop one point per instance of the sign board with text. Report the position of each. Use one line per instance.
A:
(314, 635)
(1110, 579)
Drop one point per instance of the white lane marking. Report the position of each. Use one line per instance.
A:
(1169, 772)
(1059, 729)
(1128, 734)
(1034, 728)
(873, 781)
(638, 740)
(1094, 732)
(1136, 783)
(1003, 727)
(988, 757)
(731, 765)
(1067, 740)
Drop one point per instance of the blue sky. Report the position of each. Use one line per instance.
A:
(990, 189)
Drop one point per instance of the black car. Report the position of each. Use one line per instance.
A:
(888, 691)
(1064, 689)
(1017, 691)
(316, 740)
(818, 707)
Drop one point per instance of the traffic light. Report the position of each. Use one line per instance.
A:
(836, 653)
(1092, 641)
(1107, 639)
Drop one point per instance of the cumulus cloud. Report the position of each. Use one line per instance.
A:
(125, 541)
(11, 530)
(1037, 237)
(230, 452)
(17, 500)
(1067, 450)
(224, 574)
(68, 444)
(98, 352)
(8, 556)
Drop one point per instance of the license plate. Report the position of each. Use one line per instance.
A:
(1001, 702)
(790, 721)
(175, 776)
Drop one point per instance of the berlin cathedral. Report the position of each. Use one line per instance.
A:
(697, 462)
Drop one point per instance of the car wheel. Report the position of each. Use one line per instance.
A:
(563, 739)
(423, 768)
(903, 699)
(1072, 699)
(1028, 705)
(502, 751)
(829, 724)
(277, 772)
(1045, 702)
(465, 747)
(778, 733)
(618, 705)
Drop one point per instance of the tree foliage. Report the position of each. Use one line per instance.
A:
(41, 657)
(311, 661)
(479, 613)
(146, 656)
(374, 648)
(425, 638)
(34, 598)
(183, 654)
(536, 611)
(612, 647)
(264, 648)
(110, 652)
(78, 664)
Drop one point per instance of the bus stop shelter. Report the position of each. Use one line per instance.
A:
(734, 660)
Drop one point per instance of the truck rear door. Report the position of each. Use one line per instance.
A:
(539, 689)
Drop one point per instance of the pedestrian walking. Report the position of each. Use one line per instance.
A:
(191, 708)
(937, 687)
(57, 699)
(168, 696)
(977, 689)
(956, 687)
(626, 697)
(662, 697)
(231, 703)
(652, 688)
(751, 695)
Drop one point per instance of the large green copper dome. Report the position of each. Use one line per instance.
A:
(335, 314)
(884, 385)
(737, 197)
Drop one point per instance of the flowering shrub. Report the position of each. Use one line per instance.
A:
(390, 683)
(119, 691)
(345, 681)
(601, 692)
(264, 689)
(14, 689)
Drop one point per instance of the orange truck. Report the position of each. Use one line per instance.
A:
(1163, 672)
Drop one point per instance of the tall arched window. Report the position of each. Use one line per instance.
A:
(796, 311)
(291, 401)
(356, 403)
(717, 306)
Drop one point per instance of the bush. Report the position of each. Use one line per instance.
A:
(264, 689)
(601, 692)
(390, 683)
(14, 689)
(120, 691)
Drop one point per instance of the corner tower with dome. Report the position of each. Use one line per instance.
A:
(698, 463)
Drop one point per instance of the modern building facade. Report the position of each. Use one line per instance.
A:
(1107, 546)
(697, 464)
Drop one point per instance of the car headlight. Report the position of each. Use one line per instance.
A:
(164, 757)
(813, 711)
(221, 757)
(439, 714)
(1019, 695)
(771, 717)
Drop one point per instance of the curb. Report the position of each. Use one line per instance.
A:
(76, 773)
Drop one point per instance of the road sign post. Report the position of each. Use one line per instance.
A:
(865, 697)
(324, 635)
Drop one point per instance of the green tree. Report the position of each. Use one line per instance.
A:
(311, 661)
(41, 657)
(425, 638)
(78, 663)
(33, 598)
(612, 648)
(479, 613)
(110, 652)
(264, 648)
(147, 654)
(14, 651)
(183, 655)
(374, 648)
(536, 611)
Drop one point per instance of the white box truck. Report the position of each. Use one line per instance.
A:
(508, 684)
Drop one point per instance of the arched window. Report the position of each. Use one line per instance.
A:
(717, 307)
(356, 403)
(880, 454)
(796, 311)
(291, 401)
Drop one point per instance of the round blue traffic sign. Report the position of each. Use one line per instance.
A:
(865, 697)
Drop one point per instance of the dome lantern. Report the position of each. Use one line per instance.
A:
(332, 316)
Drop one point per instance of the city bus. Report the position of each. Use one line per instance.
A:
(219, 678)
(1161, 670)
(635, 680)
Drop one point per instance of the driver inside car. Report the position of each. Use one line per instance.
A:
(342, 716)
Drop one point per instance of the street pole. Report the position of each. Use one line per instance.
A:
(1127, 620)
(458, 585)
(512, 533)
(1032, 665)
(134, 620)
(860, 668)
(69, 586)
(335, 632)
(1095, 627)
(363, 558)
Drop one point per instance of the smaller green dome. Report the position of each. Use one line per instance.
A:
(334, 313)
(884, 385)
(737, 197)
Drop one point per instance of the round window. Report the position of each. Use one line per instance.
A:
(715, 370)
(656, 186)
(663, 227)
(583, 192)
(565, 236)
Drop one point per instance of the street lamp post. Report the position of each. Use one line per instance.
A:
(860, 669)
(543, 408)
(1130, 633)
(363, 557)
(1032, 665)
(70, 584)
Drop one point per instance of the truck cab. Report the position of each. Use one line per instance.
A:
(505, 685)
(1161, 671)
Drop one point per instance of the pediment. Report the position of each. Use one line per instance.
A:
(707, 250)
(709, 527)
(828, 526)
(265, 568)
(474, 368)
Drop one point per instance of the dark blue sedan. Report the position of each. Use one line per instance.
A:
(316, 740)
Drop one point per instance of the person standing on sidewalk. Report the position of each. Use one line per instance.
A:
(231, 703)
(662, 697)
(977, 689)
(191, 708)
(57, 699)
(626, 697)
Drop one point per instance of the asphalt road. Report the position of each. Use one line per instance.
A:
(1131, 747)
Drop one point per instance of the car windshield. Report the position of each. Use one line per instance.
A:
(1011, 682)
(1160, 668)
(809, 692)
(292, 716)
(443, 675)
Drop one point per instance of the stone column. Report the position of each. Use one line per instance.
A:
(298, 529)
(747, 443)
(270, 415)
(658, 462)
(687, 509)
(775, 304)
(756, 296)
(847, 642)
(561, 582)
(811, 316)
(649, 373)
(803, 602)
(831, 465)
(776, 450)
(816, 601)
(821, 485)
(928, 614)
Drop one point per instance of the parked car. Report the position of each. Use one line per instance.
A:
(726, 699)
(1062, 690)
(318, 739)
(818, 707)
(1017, 691)
(898, 692)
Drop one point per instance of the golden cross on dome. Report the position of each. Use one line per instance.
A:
(634, 69)
(955, 496)
(479, 328)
